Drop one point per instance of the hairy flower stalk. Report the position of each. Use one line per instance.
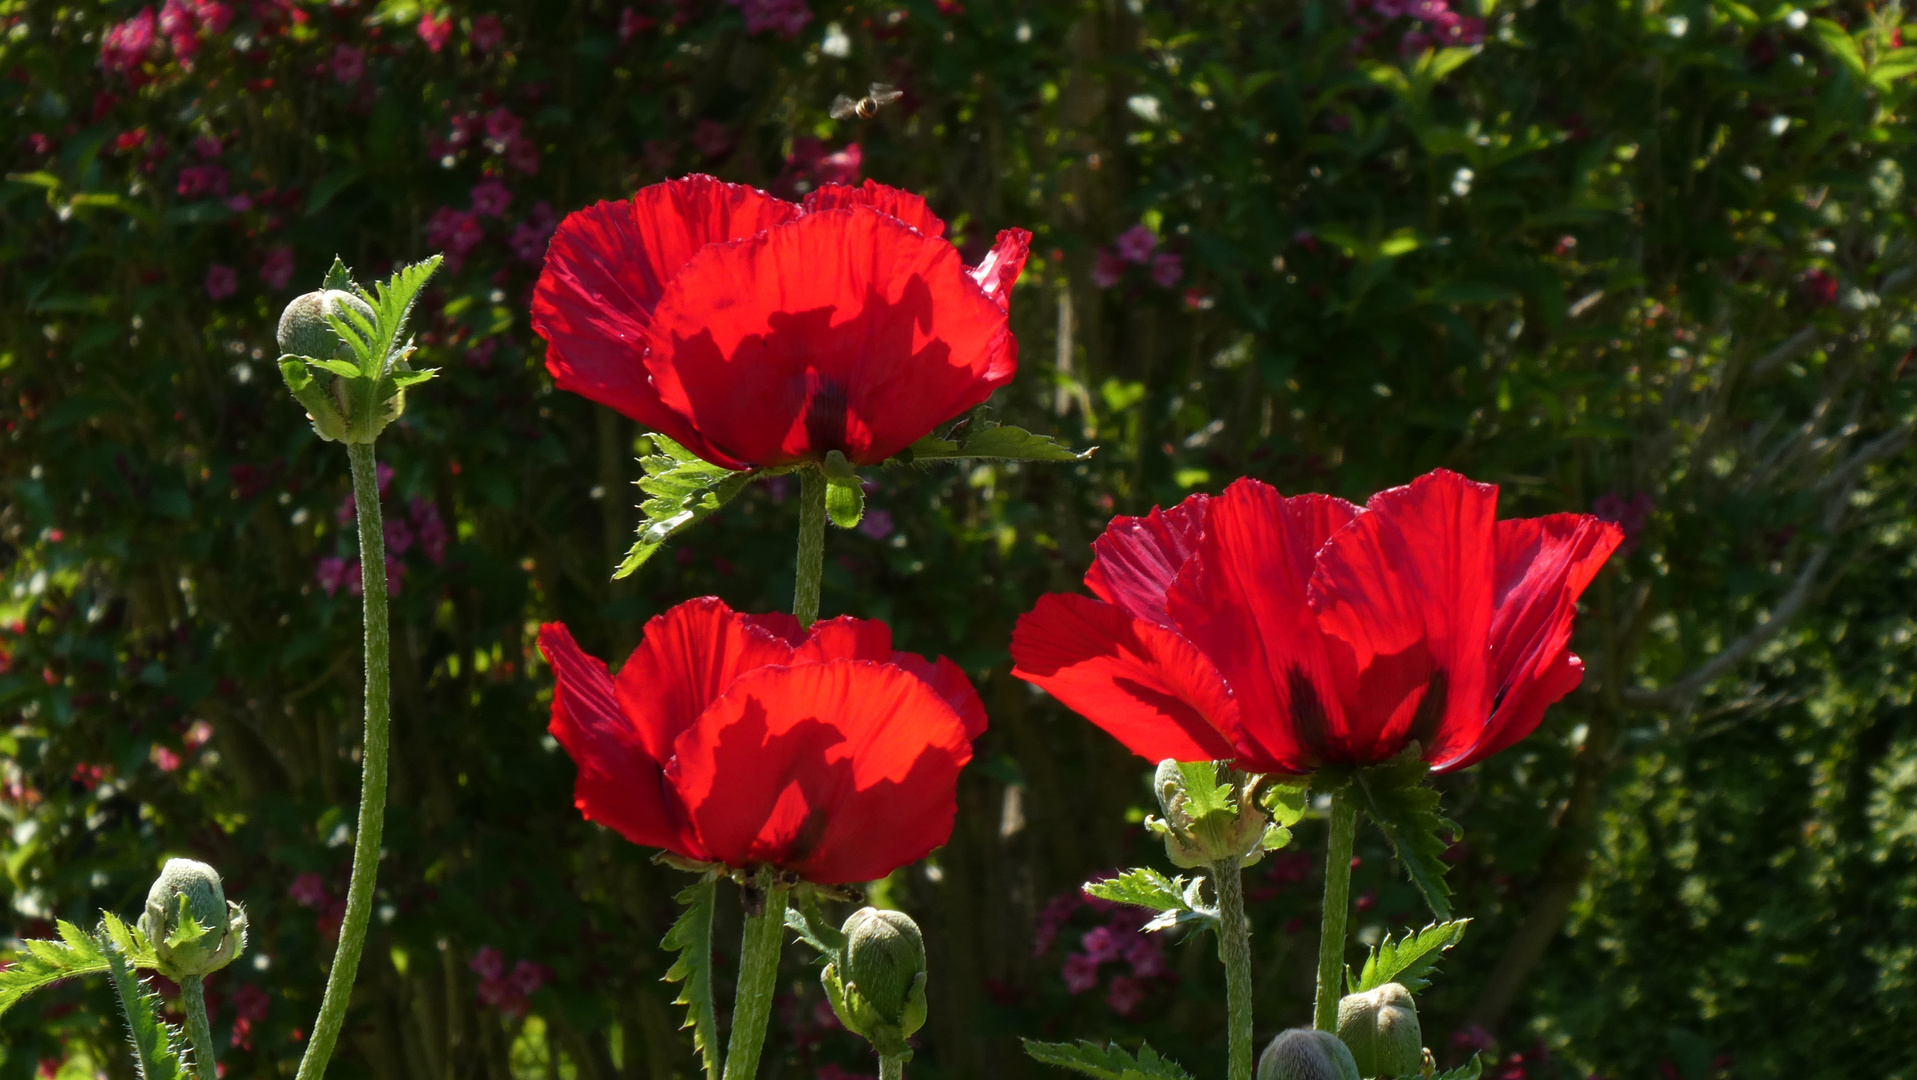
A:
(372, 799)
(1234, 948)
(193, 1003)
(811, 565)
(1331, 938)
(758, 974)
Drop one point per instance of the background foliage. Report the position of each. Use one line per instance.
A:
(1651, 258)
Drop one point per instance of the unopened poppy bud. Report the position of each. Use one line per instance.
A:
(1307, 1054)
(304, 330)
(877, 986)
(1381, 1028)
(193, 928)
(1211, 813)
(884, 956)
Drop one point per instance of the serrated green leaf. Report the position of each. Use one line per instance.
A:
(413, 378)
(47, 962)
(157, 1045)
(1109, 1062)
(844, 504)
(339, 276)
(1470, 1070)
(1178, 902)
(802, 917)
(1406, 810)
(1285, 800)
(186, 929)
(1408, 959)
(337, 367)
(691, 938)
(1001, 442)
(1204, 795)
(684, 490)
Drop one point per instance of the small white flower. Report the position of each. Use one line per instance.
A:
(1780, 124)
(1797, 20)
(1461, 182)
(836, 42)
(1677, 25)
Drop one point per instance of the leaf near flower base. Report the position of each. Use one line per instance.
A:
(1395, 796)
(1470, 1070)
(999, 442)
(47, 962)
(157, 1045)
(684, 490)
(1177, 902)
(691, 937)
(1407, 960)
(1109, 1062)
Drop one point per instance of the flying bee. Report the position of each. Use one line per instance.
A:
(865, 108)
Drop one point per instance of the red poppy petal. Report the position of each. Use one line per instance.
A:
(1240, 598)
(999, 270)
(891, 201)
(1146, 686)
(1543, 566)
(1135, 559)
(847, 638)
(840, 772)
(688, 657)
(1406, 593)
(605, 271)
(620, 784)
(843, 330)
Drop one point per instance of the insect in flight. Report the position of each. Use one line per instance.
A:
(865, 108)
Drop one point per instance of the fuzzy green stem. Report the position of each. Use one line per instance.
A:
(758, 978)
(805, 595)
(193, 1003)
(891, 1067)
(1331, 938)
(372, 794)
(1234, 948)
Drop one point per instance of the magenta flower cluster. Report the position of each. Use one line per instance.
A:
(1137, 246)
(180, 24)
(507, 991)
(1435, 24)
(1117, 951)
(783, 17)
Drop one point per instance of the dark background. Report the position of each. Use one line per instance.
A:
(1647, 260)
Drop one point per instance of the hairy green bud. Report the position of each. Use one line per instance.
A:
(1307, 1054)
(877, 983)
(304, 330)
(1381, 1028)
(194, 929)
(1211, 813)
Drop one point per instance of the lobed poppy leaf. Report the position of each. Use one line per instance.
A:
(1470, 1070)
(1407, 960)
(803, 918)
(1395, 796)
(1109, 1062)
(684, 490)
(157, 1053)
(1177, 902)
(47, 962)
(999, 442)
(339, 276)
(691, 938)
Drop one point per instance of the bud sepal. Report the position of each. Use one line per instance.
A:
(1214, 813)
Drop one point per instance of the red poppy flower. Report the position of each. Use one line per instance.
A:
(759, 332)
(745, 740)
(1291, 633)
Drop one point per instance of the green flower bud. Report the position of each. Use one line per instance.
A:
(1381, 1028)
(1211, 813)
(304, 330)
(877, 985)
(1307, 1054)
(193, 928)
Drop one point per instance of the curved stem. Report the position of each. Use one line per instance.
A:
(805, 595)
(193, 1003)
(372, 793)
(1331, 938)
(891, 1067)
(758, 976)
(1234, 948)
